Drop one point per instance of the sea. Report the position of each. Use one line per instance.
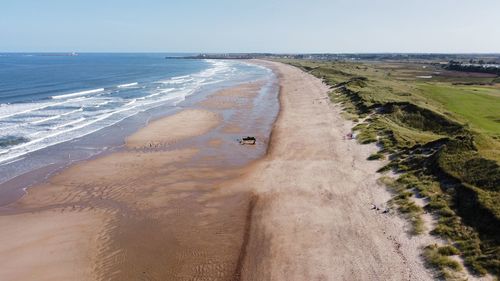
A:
(56, 109)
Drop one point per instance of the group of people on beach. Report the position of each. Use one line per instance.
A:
(375, 207)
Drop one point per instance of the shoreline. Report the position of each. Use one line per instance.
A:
(18, 185)
(120, 195)
(313, 218)
(298, 207)
(14, 188)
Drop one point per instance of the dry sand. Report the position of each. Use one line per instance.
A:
(313, 218)
(178, 127)
(166, 208)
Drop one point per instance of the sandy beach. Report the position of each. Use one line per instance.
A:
(185, 201)
(313, 219)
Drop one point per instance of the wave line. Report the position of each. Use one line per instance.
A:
(82, 93)
(128, 85)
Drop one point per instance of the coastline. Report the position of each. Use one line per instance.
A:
(297, 207)
(313, 219)
(112, 115)
(21, 174)
(91, 214)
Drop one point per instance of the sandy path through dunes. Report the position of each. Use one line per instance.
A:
(313, 217)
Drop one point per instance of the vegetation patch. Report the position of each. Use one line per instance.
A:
(442, 138)
(376, 156)
(443, 263)
(402, 200)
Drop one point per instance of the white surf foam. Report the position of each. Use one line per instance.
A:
(56, 116)
(180, 77)
(30, 109)
(68, 124)
(102, 103)
(157, 93)
(10, 162)
(82, 93)
(216, 73)
(131, 102)
(35, 141)
(177, 81)
(128, 85)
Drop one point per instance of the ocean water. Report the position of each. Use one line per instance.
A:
(47, 100)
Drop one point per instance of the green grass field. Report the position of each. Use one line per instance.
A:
(477, 106)
(474, 106)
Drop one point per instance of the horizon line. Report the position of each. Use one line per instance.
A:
(259, 53)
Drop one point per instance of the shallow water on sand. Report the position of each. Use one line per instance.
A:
(166, 216)
(196, 229)
(128, 106)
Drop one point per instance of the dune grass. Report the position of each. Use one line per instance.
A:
(442, 137)
(435, 258)
(404, 203)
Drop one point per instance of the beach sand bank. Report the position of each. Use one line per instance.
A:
(149, 212)
(313, 218)
(195, 205)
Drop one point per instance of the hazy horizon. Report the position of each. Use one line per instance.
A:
(318, 26)
(277, 53)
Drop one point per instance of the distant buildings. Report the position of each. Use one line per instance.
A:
(472, 61)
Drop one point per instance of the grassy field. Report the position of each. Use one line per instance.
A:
(476, 107)
(441, 131)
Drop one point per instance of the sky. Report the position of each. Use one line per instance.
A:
(278, 26)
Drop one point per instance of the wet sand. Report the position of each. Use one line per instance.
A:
(153, 211)
(196, 205)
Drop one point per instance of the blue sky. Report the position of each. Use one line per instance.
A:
(250, 26)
